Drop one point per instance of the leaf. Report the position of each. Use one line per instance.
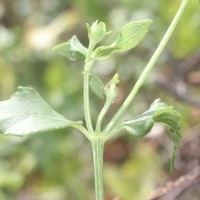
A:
(104, 52)
(77, 46)
(97, 86)
(131, 34)
(26, 112)
(73, 49)
(129, 37)
(158, 112)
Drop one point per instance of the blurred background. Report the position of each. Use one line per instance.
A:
(58, 165)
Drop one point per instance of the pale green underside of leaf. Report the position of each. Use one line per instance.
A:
(129, 37)
(72, 49)
(97, 86)
(158, 112)
(26, 112)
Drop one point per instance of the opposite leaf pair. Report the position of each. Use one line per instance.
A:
(26, 112)
(129, 37)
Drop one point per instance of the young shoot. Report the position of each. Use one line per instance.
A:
(27, 113)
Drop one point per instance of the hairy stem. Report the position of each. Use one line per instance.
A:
(150, 65)
(101, 116)
(87, 102)
(83, 130)
(86, 97)
(97, 149)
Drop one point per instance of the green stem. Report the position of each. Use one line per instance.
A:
(83, 130)
(114, 132)
(149, 66)
(97, 149)
(86, 97)
(87, 102)
(101, 116)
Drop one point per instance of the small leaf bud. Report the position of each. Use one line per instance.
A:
(111, 89)
(97, 32)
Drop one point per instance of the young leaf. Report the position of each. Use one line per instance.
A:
(72, 49)
(158, 112)
(97, 86)
(26, 112)
(129, 37)
(131, 34)
(104, 52)
(97, 32)
(111, 89)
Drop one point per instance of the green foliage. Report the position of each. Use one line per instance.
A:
(158, 112)
(73, 49)
(129, 37)
(111, 89)
(26, 112)
(97, 86)
(97, 32)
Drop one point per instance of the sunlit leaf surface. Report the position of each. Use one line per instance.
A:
(26, 112)
(129, 37)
